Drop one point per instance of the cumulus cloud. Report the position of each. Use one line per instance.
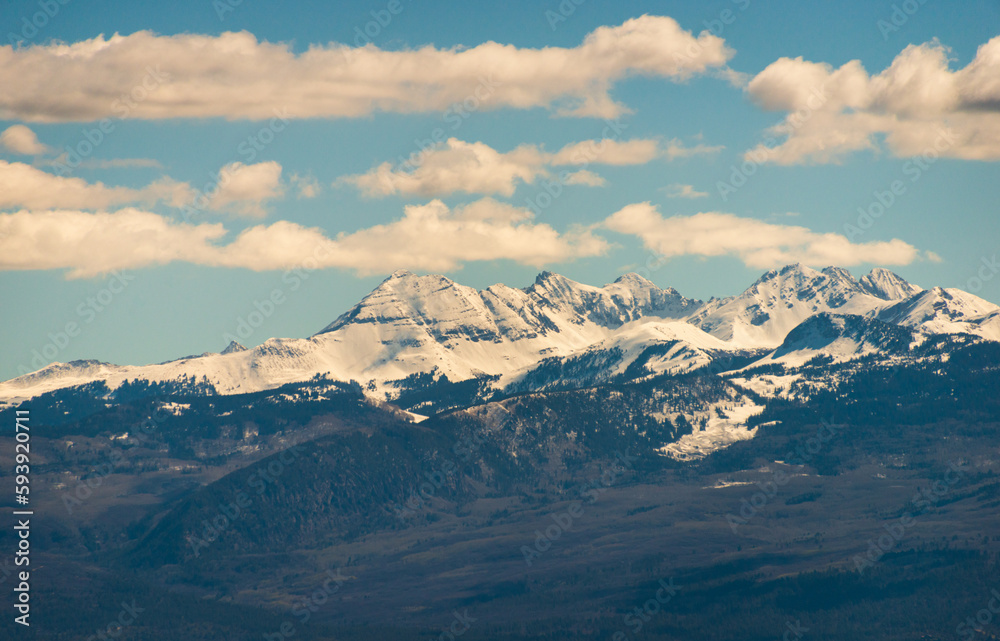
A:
(235, 76)
(918, 104)
(457, 166)
(434, 237)
(246, 189)
(19, 139)
(684, 191)
(427, 237)
(24, 186)
(758, 244)
(88, 244)
(476, 168)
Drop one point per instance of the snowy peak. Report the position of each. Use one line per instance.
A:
(781, 299)
(838, 273)
(234, 348)
(635, 281)
(629, 298)
(556, 291)
(407, 298)
(553, 303)
(56, 376)
(884, 284)
(551, 279)
(631, 288)
(938, 303)
(946, 311)
(832, 285)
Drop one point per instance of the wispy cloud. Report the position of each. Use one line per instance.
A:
(306, 186)
(107, 163)
(684, 191)
(677, 149)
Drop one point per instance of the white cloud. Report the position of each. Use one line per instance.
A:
(676, 149)
(476, 168)
(918, 104)
(432, 237)
(758, 244)
(584, 177)
(88, 244)
(108, 163)
(61, 167)
(245, 189)
(427, 237)
(608, 151)
(24, 186)
(22, 140)
(684, 191)
(235, 76)
(457, 166)
(241, 189)
(305, 186)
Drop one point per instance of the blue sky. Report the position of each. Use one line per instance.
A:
(682, 126)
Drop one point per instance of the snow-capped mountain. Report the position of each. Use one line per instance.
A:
(946, 311)
(781, 299)
(552, 305)
(555, 332)
(411, 325)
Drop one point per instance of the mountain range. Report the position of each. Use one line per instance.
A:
(413, 331)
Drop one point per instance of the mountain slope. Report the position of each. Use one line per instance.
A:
(841, 337)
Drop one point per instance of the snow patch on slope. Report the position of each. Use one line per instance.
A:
(719, 432)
